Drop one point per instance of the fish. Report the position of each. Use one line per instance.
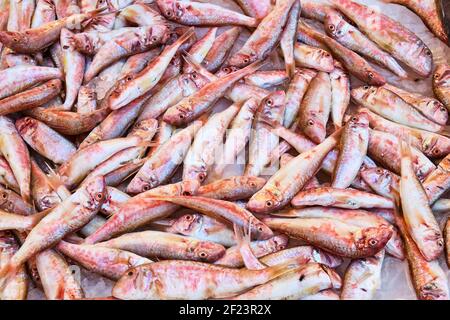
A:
(67, 217)
(307, 56)
(56, 276)
(15, 151)
(390, 106)
(12, 202)
(193, 106)
(109, 262)
(431, 144)
(200, 49)
(220, 49)
(129, 43)
(13, 221)
(289, 180)
(201, 155)
(295, 93)
(166, 246)
(335, 236)
(147, 78)
(264, 38)
(340, 94)
(232, 257)
(382, 181)
(16, 79)
(297, 284)
(222, 210)
(441, 84)
(255, 8)
(269, 115)
(428, 278)
(341, 198)
(238, 135)
(313, 10)
(140, 14)
(141, 209)
(349, 36)
(429, 12)
(36, 39)
(363, 278)
(419, 219)
(232, 188)
(389, 35)
(267, 79)
(352, 151)
(316, 107)
(437, 182)
(202, 227)
(353, 62)
(429, 107)
(385, 149)
(90, 42)
(208, 281)
(73, 64)
(16, 286)
(287, 39)
(303, 255)
(202, 14)
(45, 140)
(31, 98)
(161, 165)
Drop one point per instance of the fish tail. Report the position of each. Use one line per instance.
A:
(5, 272)
(290, 69)
(39, 215)
(56, 182)
(405, 149)
(185, 36)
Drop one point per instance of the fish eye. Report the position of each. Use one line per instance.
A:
(310, 122)
(436, 75)
(179, 7)
(331, 27)
(169, 13)
(154, 39)
(186, 193)
(15, 40)
(194, 75)
(252, 184)
(373, 242)
(188, 217)
(4, 195)
(366, 87)
(130, 273)
(260, 229)
(436, 151)
(269, 102)
(246, 60)
(268, 204)
(26, 58)
(203, 255)
(370, 75)
(66, 47)
(379, 171)
(443, 109)
(354, 118)
(146, 187)
(181, 116)
(99, 196)
(201, 176)
(428, 52)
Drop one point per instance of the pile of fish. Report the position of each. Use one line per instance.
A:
(118, 155)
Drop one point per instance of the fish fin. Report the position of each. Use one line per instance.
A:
(280, 269)
(445, 131)
(40, 215)
(185, 36)
(242, 236)
(57, 184)
(164, 222)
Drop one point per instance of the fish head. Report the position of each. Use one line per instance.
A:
(241, 59)
(15, 59)
(373, 239)
(137, 284)
(440, 112)
(83, 43)
(95, 187)
(5, 202)
(188, 223)
(172, 10)
(360, 94)
(156, 34)
(372, 77)
(226, 70)
(265, 200)
(378, 178)
(435, 289)
(48, 201)
(196, 172)
(175, 33)
(180, 113)
(334, 24)
(278, 242)
(26, 125)
(141, 183)
(145, 129)
(359, 121)
(207, 251)
(188, 188)
(271, 108)
(11, 38)
(260, 230)
(252, 183)
(441, 75)
(314, 128)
